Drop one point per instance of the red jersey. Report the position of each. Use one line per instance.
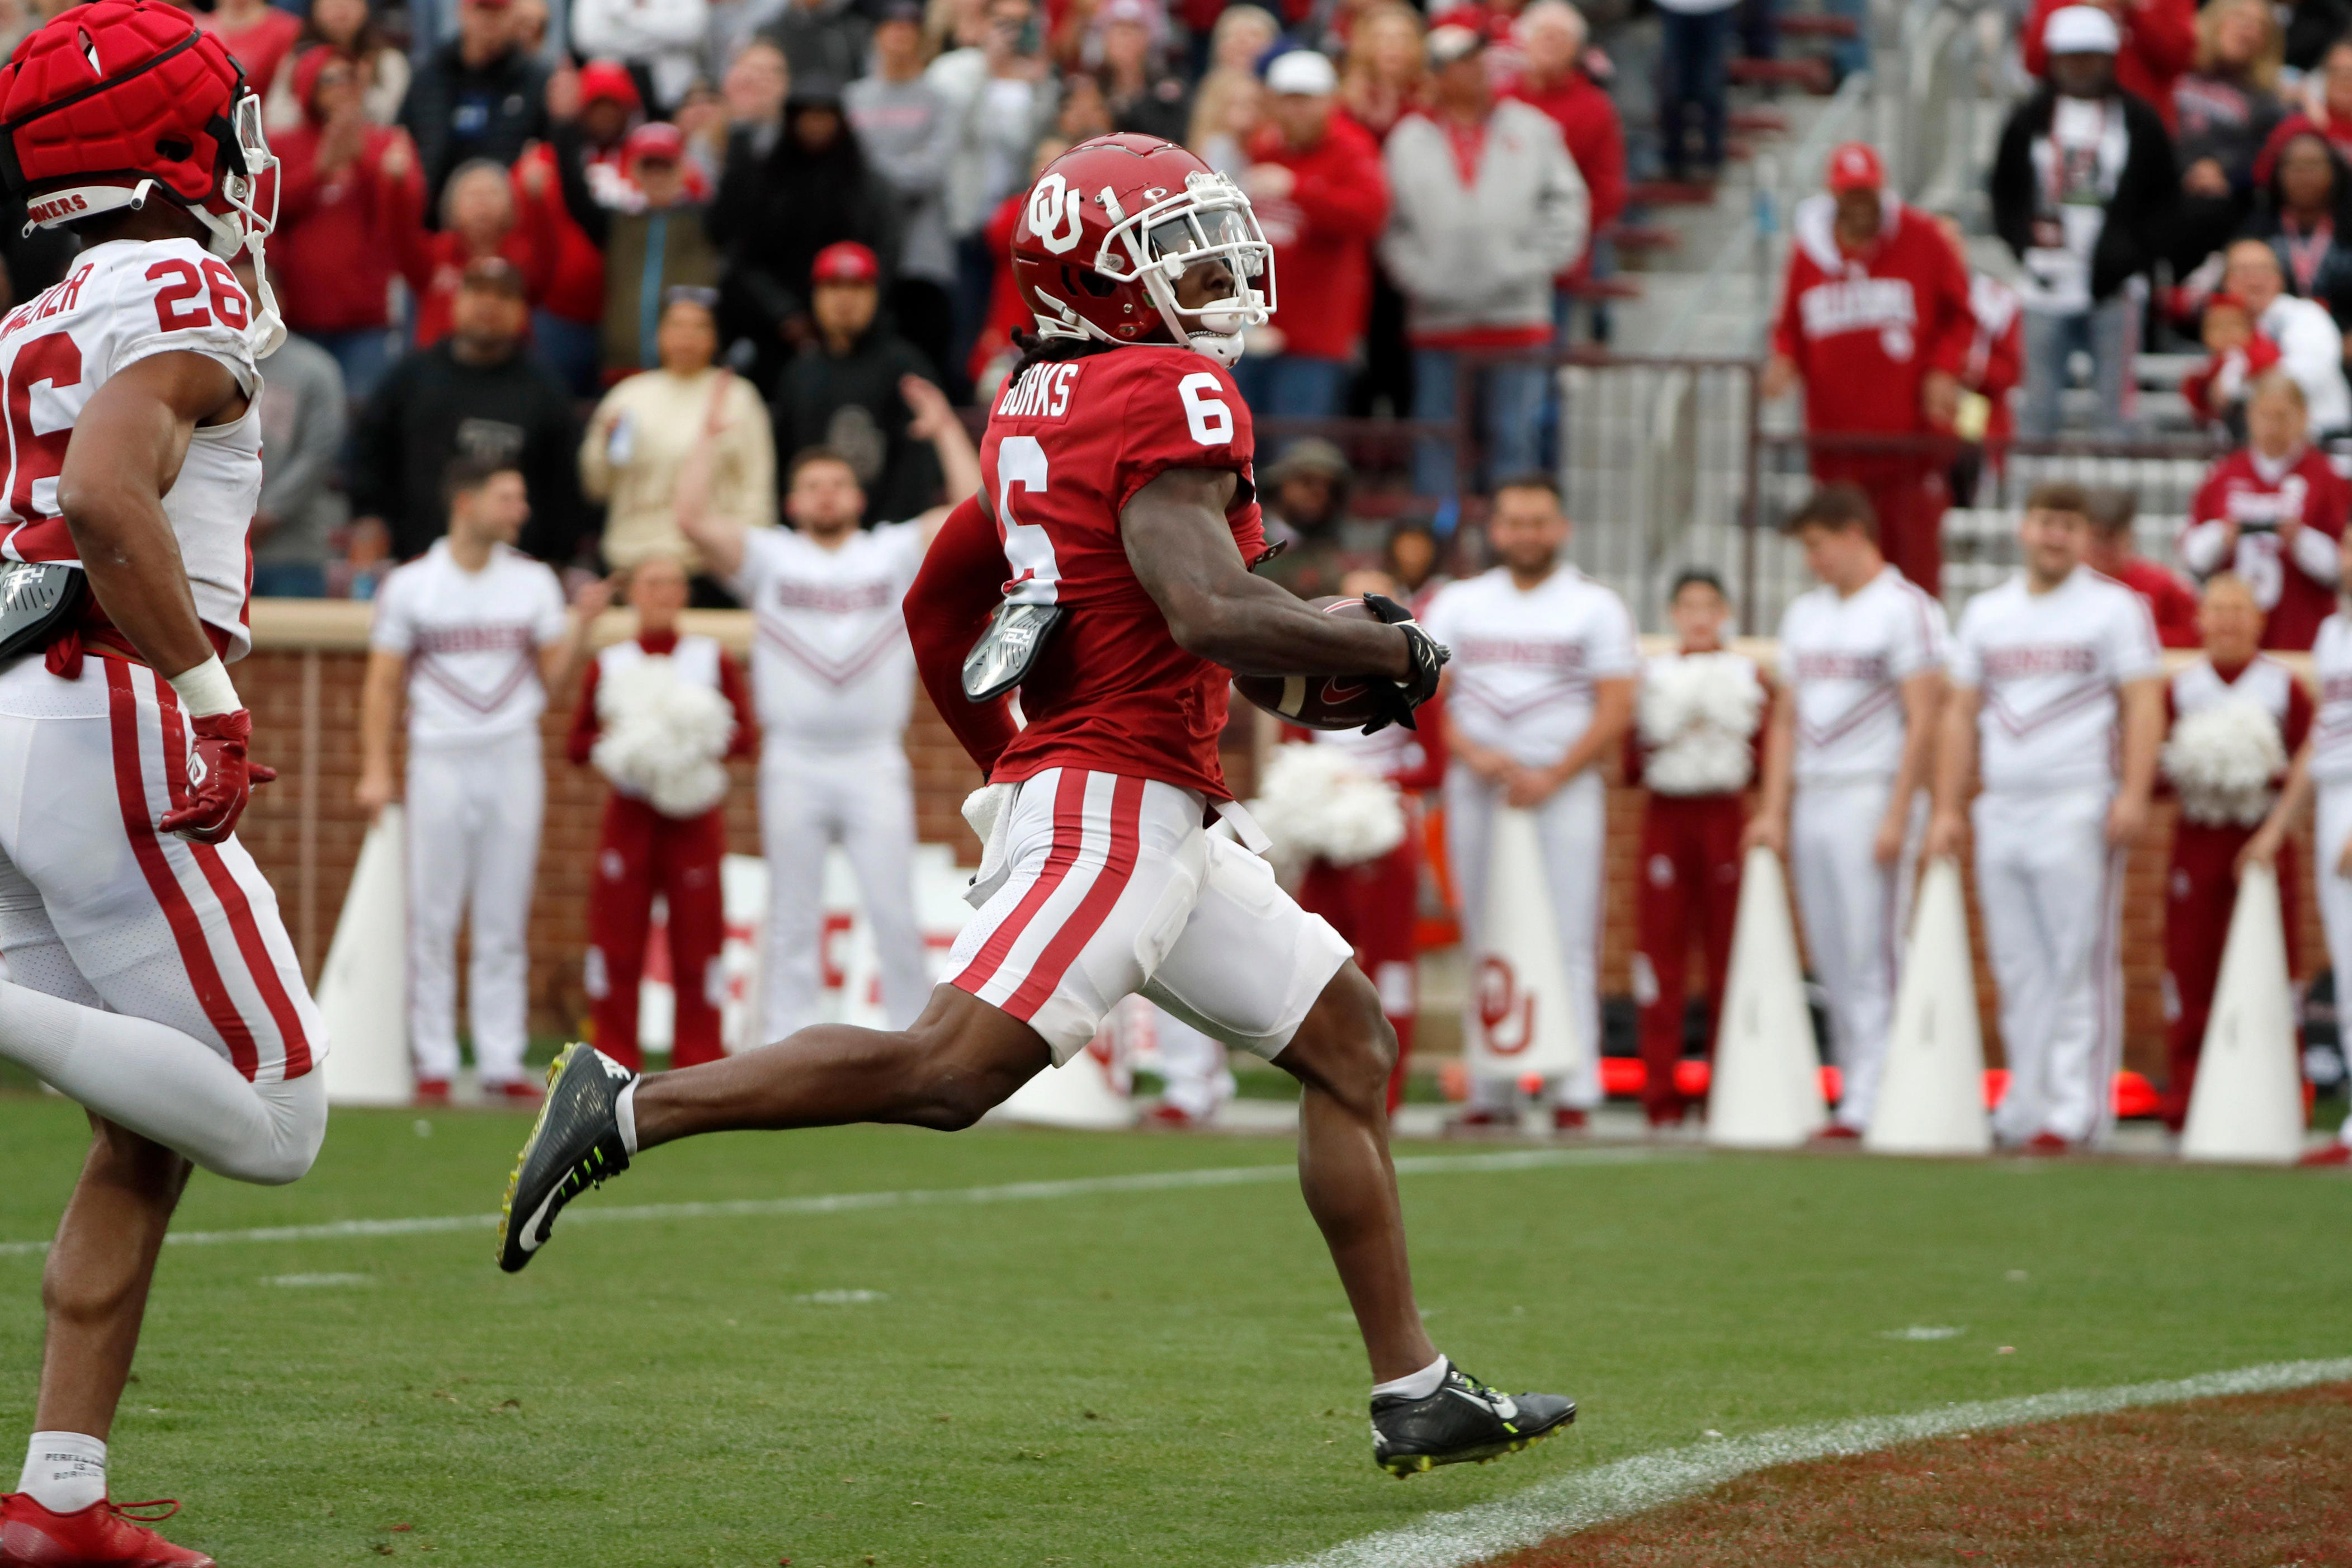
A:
(2295, 585)
(1069, 445)
(1865, 329)
(2171, 602)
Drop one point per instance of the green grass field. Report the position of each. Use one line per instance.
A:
(1142, 1377)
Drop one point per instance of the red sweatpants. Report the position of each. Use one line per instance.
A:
(639, 853)
(2201, 894)
(1372, 906)
(1909, 495)
(1689, 887)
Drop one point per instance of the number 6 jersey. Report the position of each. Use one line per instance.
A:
(1069, 443)
(122, 302)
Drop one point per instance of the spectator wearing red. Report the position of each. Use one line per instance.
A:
(1996, 356)
(2159, 45)
(563, 326)
(2113, 553)
(349, 196)
(478, 220)
(1552, 77)
(1315, 181)
(260, 34)
(1700, 715)
(2236, 354)
(2215, 824)
(2272, 511)
(663, 829)
(349, 27)
(994, 350)
(1875, 322)
(2326, 110)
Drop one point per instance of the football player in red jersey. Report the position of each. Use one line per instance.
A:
(148, 975)
(1119, 600)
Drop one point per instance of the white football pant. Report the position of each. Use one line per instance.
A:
(862, 798)
(1855, 911)
(2051, 894)
(473, 850)
(1573, 827)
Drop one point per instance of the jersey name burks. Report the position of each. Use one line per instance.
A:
(124, 301)
(1068, 446)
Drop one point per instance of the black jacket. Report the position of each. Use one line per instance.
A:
(2312, 27)
(455, 113)
(2146, 193)
(852, 405)
(433, 407)
(2330, 281)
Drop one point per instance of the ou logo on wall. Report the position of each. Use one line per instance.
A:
(1506, 1016)
(1054, 213)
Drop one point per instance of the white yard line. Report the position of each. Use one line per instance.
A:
(590, 1213)
(1626, 1487)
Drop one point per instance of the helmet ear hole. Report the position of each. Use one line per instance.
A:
(1092, 281)
(176, 149)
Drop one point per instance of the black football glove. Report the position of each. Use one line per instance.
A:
(1429, 657)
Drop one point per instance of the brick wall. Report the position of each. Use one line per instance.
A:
(303, 685)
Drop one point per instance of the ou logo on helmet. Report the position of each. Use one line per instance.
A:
(1054, 213)
(1501, 1006)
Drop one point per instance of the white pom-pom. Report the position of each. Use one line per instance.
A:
(2222, 760)
(1697, 716)
(1318, 804)
(663, 737)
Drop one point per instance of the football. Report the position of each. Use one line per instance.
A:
(1319, 701)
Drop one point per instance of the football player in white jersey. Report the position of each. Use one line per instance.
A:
(2322, 766)
(1540, 689)
(1846, 771)
(2058, 703)
(148, 974)
(474, 633)
(833, 677)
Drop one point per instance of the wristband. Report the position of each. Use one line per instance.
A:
(204, 689)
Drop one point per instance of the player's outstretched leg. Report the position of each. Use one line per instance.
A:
(951, 1065)
(1427, 1411)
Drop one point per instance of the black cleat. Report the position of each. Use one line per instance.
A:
(574, 1145)
(1464, 1421)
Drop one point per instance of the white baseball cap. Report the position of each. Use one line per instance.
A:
(1301, 72)
(2081, 30)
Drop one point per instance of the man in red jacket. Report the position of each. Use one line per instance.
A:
(1322, 197)
(563, 325)
(1551, 37)
(2273, 512)
(1875, 322)
(2159, 44)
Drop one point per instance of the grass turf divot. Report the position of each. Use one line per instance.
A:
(2256, 1480)
(1613, 1491)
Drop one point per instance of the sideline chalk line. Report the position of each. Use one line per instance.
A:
(846, 1203)
(1644, 1481)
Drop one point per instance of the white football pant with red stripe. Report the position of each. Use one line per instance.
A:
(1573, 828)
(861, 798)
(2051, 891)
(1117, 888)
(473, 851)
(149, 978)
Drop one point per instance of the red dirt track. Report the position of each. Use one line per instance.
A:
(2256, 1481)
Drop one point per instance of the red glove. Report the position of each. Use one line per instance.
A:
(219, 778)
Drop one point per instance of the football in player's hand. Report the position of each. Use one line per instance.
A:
(1321, 701)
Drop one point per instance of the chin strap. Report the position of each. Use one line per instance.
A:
(267, 333)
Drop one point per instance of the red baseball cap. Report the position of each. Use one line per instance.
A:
(655, 139)
(845, 261)
(1855, 166)
(601, 80)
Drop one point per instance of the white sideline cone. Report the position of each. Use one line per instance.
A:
(1931, 1093)
(2247, 1107)
(1522, 1023)
(1765, 1092)
(363, 988)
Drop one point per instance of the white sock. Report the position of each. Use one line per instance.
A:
(1418, 1385)
(625, 1111)
(65, 1472)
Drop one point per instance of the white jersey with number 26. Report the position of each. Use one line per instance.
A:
(122, 302)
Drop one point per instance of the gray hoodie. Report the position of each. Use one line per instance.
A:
(909, 131)
(303, 422)
(1468, 257)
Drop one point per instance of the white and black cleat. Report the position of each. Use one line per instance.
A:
(575, 1145)
(1464, 1422)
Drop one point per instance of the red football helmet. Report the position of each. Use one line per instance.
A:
(112, 100)
(1111, 226)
